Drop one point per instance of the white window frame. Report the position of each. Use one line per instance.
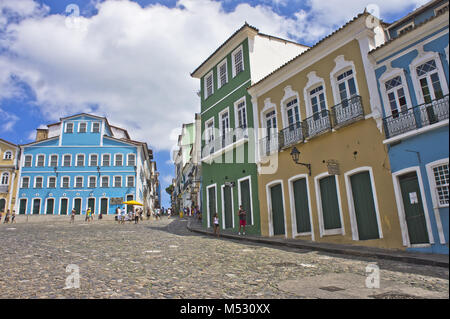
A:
(219, 83)
(92, 127)
(62, 163)
(128, 159)
(223, 206)
(89, 181)
(115, 159)
(67, 126)
(8, 175)
(37, 160)
(269, 206)
(236, 112)
(227, 130)
(32, 205)
(75, 182)
(6, 153)
(35, 181)
(22, 182)
(291, 182)
(387, 76)
(313, 82)
(249, 178)
(62, 182)
(101, 181)
(205, 85)
(48, 182)
(79, 127)
(60, 205)
(25, 160)
(90, 160)
(208, 213)
(50, 160)
(209, 134)
(109, 161)
(233, 60)
(134, 181)
(114, 181)
(76, 160)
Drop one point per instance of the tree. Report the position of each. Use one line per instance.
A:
(169, 190)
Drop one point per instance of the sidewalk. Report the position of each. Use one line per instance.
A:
(397, 255)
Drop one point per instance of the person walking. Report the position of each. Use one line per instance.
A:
(72, 216)
(216, 225)
(13, 216)
(1, 215)
(141, 212)
(7, 217)
(118, 215)
(100, 216)
(148, 213)
(87, 217)
(122, 217)
(136, 216)
(242, 219)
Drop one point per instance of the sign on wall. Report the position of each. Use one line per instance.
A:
(333, 167)
(116, 200)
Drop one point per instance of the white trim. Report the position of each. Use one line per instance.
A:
(34, 182)
(224, 111)
(389, 74)
(208, 213)
(134, 181)
(225, 97)
(62, 162)
(8, 151)
(293, 210)
(54, 205)
(236, 112)
(115, 159)
(101, 181)
(32, 205)
(417, 132)
(336, 231)
(411, 24)
(205, 87)
(128, 160)
(218, 72)
(48, 182)
(100, 204)
(114, 181)
(79, 126)
(401, 209)
(8, 178)
(76, 159)
(436, 206)
(21, 182)
(73, 127)
(249, 178)
(81, 205)
(268, 106)
(60, 205)
(289, 95)
(50, 160)
(62, 182)
(313, 82)
(109, 161)
(89, 181)
(24, 160)
(75, 182)
(351, 204)
(92, 127)
(18, 205)
(223, 206)
(87, 203)
(269, 206)
(341, 65)
(37, 160)
(233, 64)
(90, 158)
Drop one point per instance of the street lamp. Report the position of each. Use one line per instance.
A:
(98, 170)
(295, 156)
(55, 169)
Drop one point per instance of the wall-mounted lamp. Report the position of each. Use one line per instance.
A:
(55, 169)
(98, 170)
(295, 156)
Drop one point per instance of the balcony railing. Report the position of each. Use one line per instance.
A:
(269, 144)
(292, 134)
(317, 124)
(348, 111)
(416, 117)
(223, 141)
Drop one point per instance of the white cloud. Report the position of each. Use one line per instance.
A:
(133, 64)
(167, 179)
(8, 121)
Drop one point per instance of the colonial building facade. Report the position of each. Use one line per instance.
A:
(82, 162)
(229, 176)
(324, 170)
(412, 71)
(9, 157)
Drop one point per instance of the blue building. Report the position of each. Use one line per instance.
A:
(412, 72)
(80, 162)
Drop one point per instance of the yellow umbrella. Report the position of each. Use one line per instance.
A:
(132, 202)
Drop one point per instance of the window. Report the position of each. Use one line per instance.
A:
(82, 128)
(92, 182)
(25, 182)
(65, 182)
(441, 177)
(67, 159)
(106, 158)
(222, 74)
(430, 83)
(131, 160)
(346, 85)
(441, 9)
(80, 160)
(5, 178)
(209, 135)
(242, 115)
(53, 160)
(105, 181)
(79, 182)
(40, 162)
(318, 106)
(38, 182)
(93, 160)
(271, 122)
(52, 182)
(28, 161)
(396, 96)
(406, 28)
(238, 62)
(224, 123)
(118, 160)
(95, 127)
(69, 127)
(130, 181)
(293, 115)
(117, 181)
(7, 155)
(209, 85)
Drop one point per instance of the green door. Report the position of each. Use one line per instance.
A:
(414, 213)
(227, 204)
(50, 206)
(364, 206)
(22, 207)
(104, 206)
(129, 207)
(91, 205)
(212, 204)
(64, 206)
(2, 205)
(246, 200)
(330, 206)
(301, 206)
(277, 210)
(36, 206)
(77, 206)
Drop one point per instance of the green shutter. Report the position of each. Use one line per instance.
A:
(63, 208)
(104, 206)
(245, 200)
(77, 206)
(301, 206)
(330, 206)
(364, 206)
(228, 207)
(277, 210)
(2, 205)
(22, 206)
(50, 206)
(91, 205)
(36, 206)
(212, 204)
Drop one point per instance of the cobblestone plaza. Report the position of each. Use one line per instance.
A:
(162, 259)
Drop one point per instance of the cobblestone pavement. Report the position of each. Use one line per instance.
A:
(161, 259)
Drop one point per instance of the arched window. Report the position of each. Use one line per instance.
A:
(5, 178)
(7, 155)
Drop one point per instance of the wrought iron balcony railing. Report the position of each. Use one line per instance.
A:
(317, 124)
(348, 111)
(416, 117)
(292, 134)
(269, 144)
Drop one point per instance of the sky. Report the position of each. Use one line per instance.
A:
(130, 60)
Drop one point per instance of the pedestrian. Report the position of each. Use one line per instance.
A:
(1, 215)
(123, 213)
(72, 216)
(136, 216)
(7, 217)
(242, 219)
(216, 224)
(87, 217)
(148, 213)
(141, 212)
(118, 215)
(13, 216)
(100, 215)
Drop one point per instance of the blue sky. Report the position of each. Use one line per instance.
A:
(131, 63)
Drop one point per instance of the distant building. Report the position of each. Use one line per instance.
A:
(9, 157)
(80, 162)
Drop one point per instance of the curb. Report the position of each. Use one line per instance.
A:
(337, 250)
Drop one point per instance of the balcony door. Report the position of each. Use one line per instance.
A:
(224, 127)
(347, 87)
(318, 105)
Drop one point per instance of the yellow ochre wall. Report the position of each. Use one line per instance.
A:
(8, 166)
(362, 136)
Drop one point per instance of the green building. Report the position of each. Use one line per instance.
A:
(229, 172)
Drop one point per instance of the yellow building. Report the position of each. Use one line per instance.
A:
(338, 188)
(9, 153)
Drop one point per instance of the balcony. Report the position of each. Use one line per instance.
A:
(269, 144)
(3, 188)
(292, 134)
(417, 117)
(317, 124)
(347, 112)
(217, 144)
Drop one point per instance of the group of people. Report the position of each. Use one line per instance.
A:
(242, 221)
(8, 215)
(193, 211)
(88, 218)
(135, 214)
